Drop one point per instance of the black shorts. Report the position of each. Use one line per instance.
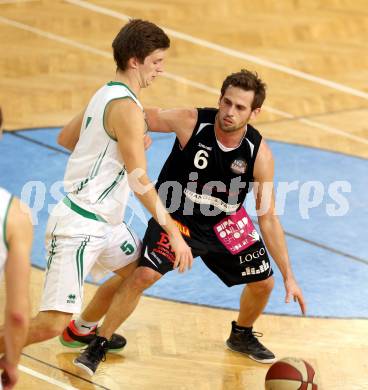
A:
(250, 265)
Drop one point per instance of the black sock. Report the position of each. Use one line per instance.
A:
(239, 328)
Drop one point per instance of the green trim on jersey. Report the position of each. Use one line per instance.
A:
(88, 121)
(52, 251)
(5, 222)
(81, 186)
(103, 117)
(96, 167)
(116, 181)
(98, 162)
(79, 210)
(111, 83)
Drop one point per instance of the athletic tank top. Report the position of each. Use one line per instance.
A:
(5, 200)
(206, 179)
(95, 177)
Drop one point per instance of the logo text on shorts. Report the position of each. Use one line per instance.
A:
(251, 256)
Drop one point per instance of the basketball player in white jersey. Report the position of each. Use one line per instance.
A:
(15, 248)
(86, 231)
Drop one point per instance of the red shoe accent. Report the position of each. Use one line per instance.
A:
(66, 336)
(74, 329)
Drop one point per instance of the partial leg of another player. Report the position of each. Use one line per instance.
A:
(46, 325)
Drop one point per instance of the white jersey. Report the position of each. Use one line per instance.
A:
(95, 177)
(5, 200)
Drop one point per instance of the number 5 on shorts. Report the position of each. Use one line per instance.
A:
(127, 248)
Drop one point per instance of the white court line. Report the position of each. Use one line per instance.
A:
(54, 37)
(231, 52)
(177, 78)
(45, 378)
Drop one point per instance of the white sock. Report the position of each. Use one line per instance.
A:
(84, 327)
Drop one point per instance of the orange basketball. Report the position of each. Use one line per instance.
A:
(291, 374)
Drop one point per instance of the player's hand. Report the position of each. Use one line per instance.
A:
(9, 375)
(183, 253)
(147, 141)
(293, 291)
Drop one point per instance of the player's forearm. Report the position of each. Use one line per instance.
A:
(153, 204)
(17, 308)
(15, 332)
(17, 274)
(147, 195)
(274, 239)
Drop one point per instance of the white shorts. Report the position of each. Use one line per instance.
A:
(76, 246)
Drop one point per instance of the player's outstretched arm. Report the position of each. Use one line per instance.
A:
(69, 134)
(269, 222)
(180, 121)
(19, 234)
(126, 122)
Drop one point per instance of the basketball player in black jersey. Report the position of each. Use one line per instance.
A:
(216, 159)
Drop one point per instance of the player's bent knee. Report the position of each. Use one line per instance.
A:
(263, 286)
(144, 277)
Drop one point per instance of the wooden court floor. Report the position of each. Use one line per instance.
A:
(313, 56)
(181, 346)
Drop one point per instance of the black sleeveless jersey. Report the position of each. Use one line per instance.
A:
(203, 180)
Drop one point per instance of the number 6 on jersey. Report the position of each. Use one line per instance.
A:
(200, 160)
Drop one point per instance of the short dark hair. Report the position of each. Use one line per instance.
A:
(248, 81)
(138, 38)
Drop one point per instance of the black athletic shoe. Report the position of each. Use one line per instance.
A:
(73, 339)
(91, 357)
(245, 341)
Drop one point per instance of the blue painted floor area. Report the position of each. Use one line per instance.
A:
(334, 279)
